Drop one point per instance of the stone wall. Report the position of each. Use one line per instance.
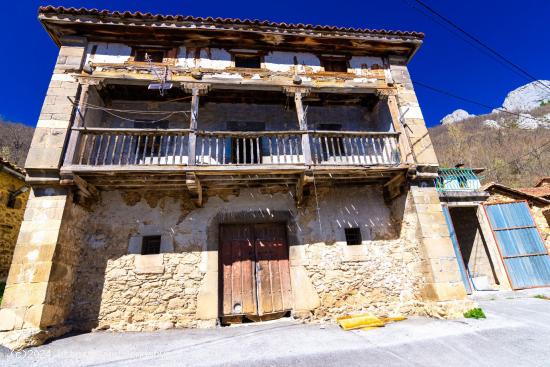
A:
(118, 288)
(10, 219)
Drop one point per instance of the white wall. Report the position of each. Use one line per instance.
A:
(219, 59)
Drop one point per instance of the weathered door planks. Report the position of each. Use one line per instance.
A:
(256, 274)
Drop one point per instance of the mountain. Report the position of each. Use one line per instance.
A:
(15, 140)
(512, 142)
(528, 97)
(455, 116)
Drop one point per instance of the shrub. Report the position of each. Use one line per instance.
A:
(475, 313)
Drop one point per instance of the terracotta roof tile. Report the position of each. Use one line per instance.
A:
(536, 191)
(182, 18)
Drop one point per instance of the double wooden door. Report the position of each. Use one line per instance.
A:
(256, 274)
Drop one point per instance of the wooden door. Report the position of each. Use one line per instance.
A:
(256, 274)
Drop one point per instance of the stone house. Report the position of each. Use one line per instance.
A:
(501, 235)
(13, 198)
(192, 171)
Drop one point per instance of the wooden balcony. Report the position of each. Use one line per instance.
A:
(111, 158)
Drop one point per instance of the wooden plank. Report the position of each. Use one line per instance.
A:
(274, 274)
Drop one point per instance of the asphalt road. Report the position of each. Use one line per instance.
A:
(516, 332)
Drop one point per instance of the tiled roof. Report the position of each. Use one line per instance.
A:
(536, 191)
(493, 186)
(543, 181)
(8, 164)
(235, 21)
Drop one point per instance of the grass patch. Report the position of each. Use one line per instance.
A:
(475, 313)
(2, 286)
(541, 296)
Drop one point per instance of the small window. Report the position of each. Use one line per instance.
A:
(339, 65)
(150, 245)
(145, 55)
(248, 61)
(12, 200)
(353, 236)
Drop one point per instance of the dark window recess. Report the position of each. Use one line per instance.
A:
(153, 55)
(353, 236)
(12, 200)
(246, 150)
(150, 245)
(144, 124)
(153, 142)
(248, 61)
(334, 145)
(335, 65)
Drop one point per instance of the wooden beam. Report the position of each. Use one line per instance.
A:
(195, 188)
(407, 154)
(394, 187)
(78, 121)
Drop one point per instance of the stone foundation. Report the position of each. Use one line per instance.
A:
(391, 272)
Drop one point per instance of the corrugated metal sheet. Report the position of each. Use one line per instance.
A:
(525, 256)
(458, 254)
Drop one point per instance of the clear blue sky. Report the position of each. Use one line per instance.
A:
(519, 30)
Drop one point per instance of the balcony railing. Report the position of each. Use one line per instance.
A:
(249, 148)
(354, 148)
(141, 147)
(456, 179)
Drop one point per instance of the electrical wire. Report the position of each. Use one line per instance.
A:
(492, 51)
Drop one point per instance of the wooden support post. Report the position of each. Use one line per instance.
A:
(196, 90)
(195, 188)
(193, 126)
(302, 188)
(407, 155)
(394, 187)
(302, 121)
(78, 121)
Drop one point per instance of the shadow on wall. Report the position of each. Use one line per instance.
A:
(114, 283)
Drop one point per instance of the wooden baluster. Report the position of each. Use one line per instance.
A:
(167, 149)
(344, 146)
(123, 145)
(202, 141)
(354, 150)
(83, 149)
(237, 150)
(270, 146)
(258, 150)
(145, 148)
(136, 154)
(224, 142)
(217, 157)
(113, 153)
(387, 149)
(289, 139)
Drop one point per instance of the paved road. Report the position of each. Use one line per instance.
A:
(516, 332)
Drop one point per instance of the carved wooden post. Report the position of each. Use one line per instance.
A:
(78, 121)
(406, 152)
(196, 90)
(302, 122)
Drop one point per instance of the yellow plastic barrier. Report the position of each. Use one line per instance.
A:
(365, 321)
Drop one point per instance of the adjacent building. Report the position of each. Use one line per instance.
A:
(13, 198)
(501, 235)
(189, 171)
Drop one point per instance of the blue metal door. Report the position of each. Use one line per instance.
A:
(525, 257)
(458, 254)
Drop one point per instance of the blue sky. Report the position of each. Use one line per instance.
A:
(519, 30)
